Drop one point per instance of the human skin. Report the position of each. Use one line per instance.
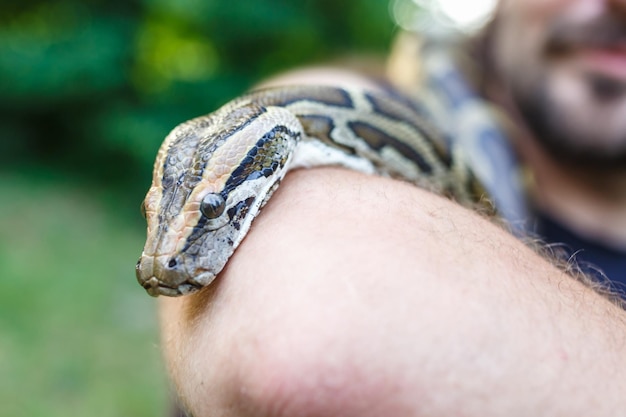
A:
(357, 295)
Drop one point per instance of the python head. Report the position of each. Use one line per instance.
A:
(211, 177)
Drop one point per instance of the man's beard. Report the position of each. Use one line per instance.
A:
(559, 134)
(554, 126)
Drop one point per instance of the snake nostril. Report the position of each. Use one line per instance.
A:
(172, 263)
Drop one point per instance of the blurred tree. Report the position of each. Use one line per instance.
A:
(91, 87)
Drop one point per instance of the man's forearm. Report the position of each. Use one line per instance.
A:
(356, 295)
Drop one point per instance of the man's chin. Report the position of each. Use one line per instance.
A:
(584, 142)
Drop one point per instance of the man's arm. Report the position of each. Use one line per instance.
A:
(359, 295)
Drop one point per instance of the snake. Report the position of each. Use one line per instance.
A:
(213, 174)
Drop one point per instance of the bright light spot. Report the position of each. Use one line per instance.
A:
(467, 13)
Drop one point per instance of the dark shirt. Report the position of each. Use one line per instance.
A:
(592, 257)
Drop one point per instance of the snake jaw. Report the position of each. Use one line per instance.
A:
(204, 278)
(157, 278)
(154, 287)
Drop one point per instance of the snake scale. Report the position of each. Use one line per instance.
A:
(214, 173)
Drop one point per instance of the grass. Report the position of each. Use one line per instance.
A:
(78, 335)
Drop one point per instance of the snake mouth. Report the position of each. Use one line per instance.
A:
(154, 287)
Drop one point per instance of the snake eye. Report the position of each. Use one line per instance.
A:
(212, 205)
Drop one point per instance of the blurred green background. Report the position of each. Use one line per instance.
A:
(88, 89)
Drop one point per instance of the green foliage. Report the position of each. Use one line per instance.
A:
(93, 86)
(77, 334)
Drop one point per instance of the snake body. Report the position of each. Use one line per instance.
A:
(213, 174)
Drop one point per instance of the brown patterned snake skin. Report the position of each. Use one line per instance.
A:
(213, 174)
